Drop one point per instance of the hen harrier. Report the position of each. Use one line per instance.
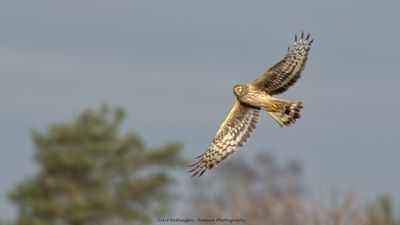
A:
(253, 97)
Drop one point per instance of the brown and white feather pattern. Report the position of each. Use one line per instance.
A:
(231, 135)
(286, 72)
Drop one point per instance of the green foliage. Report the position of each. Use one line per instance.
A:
(382, 212)
(91, 174)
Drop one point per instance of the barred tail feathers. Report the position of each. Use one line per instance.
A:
(285, 113)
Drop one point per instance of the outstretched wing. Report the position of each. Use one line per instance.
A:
(231, 135)
(286, 72)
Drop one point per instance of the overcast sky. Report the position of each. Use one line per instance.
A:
(172, 65)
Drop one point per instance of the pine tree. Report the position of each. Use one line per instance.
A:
(91, 174)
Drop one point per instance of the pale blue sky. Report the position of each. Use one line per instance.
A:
(172, 65)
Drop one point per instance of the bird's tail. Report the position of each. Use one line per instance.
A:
(285, 112)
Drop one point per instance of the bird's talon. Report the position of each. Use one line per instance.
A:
(274, 107)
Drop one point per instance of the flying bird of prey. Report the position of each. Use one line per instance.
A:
(253, 97)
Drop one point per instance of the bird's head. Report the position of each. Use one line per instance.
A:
(239, 90)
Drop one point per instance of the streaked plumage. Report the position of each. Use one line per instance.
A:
(286, 72)
(251, 98)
